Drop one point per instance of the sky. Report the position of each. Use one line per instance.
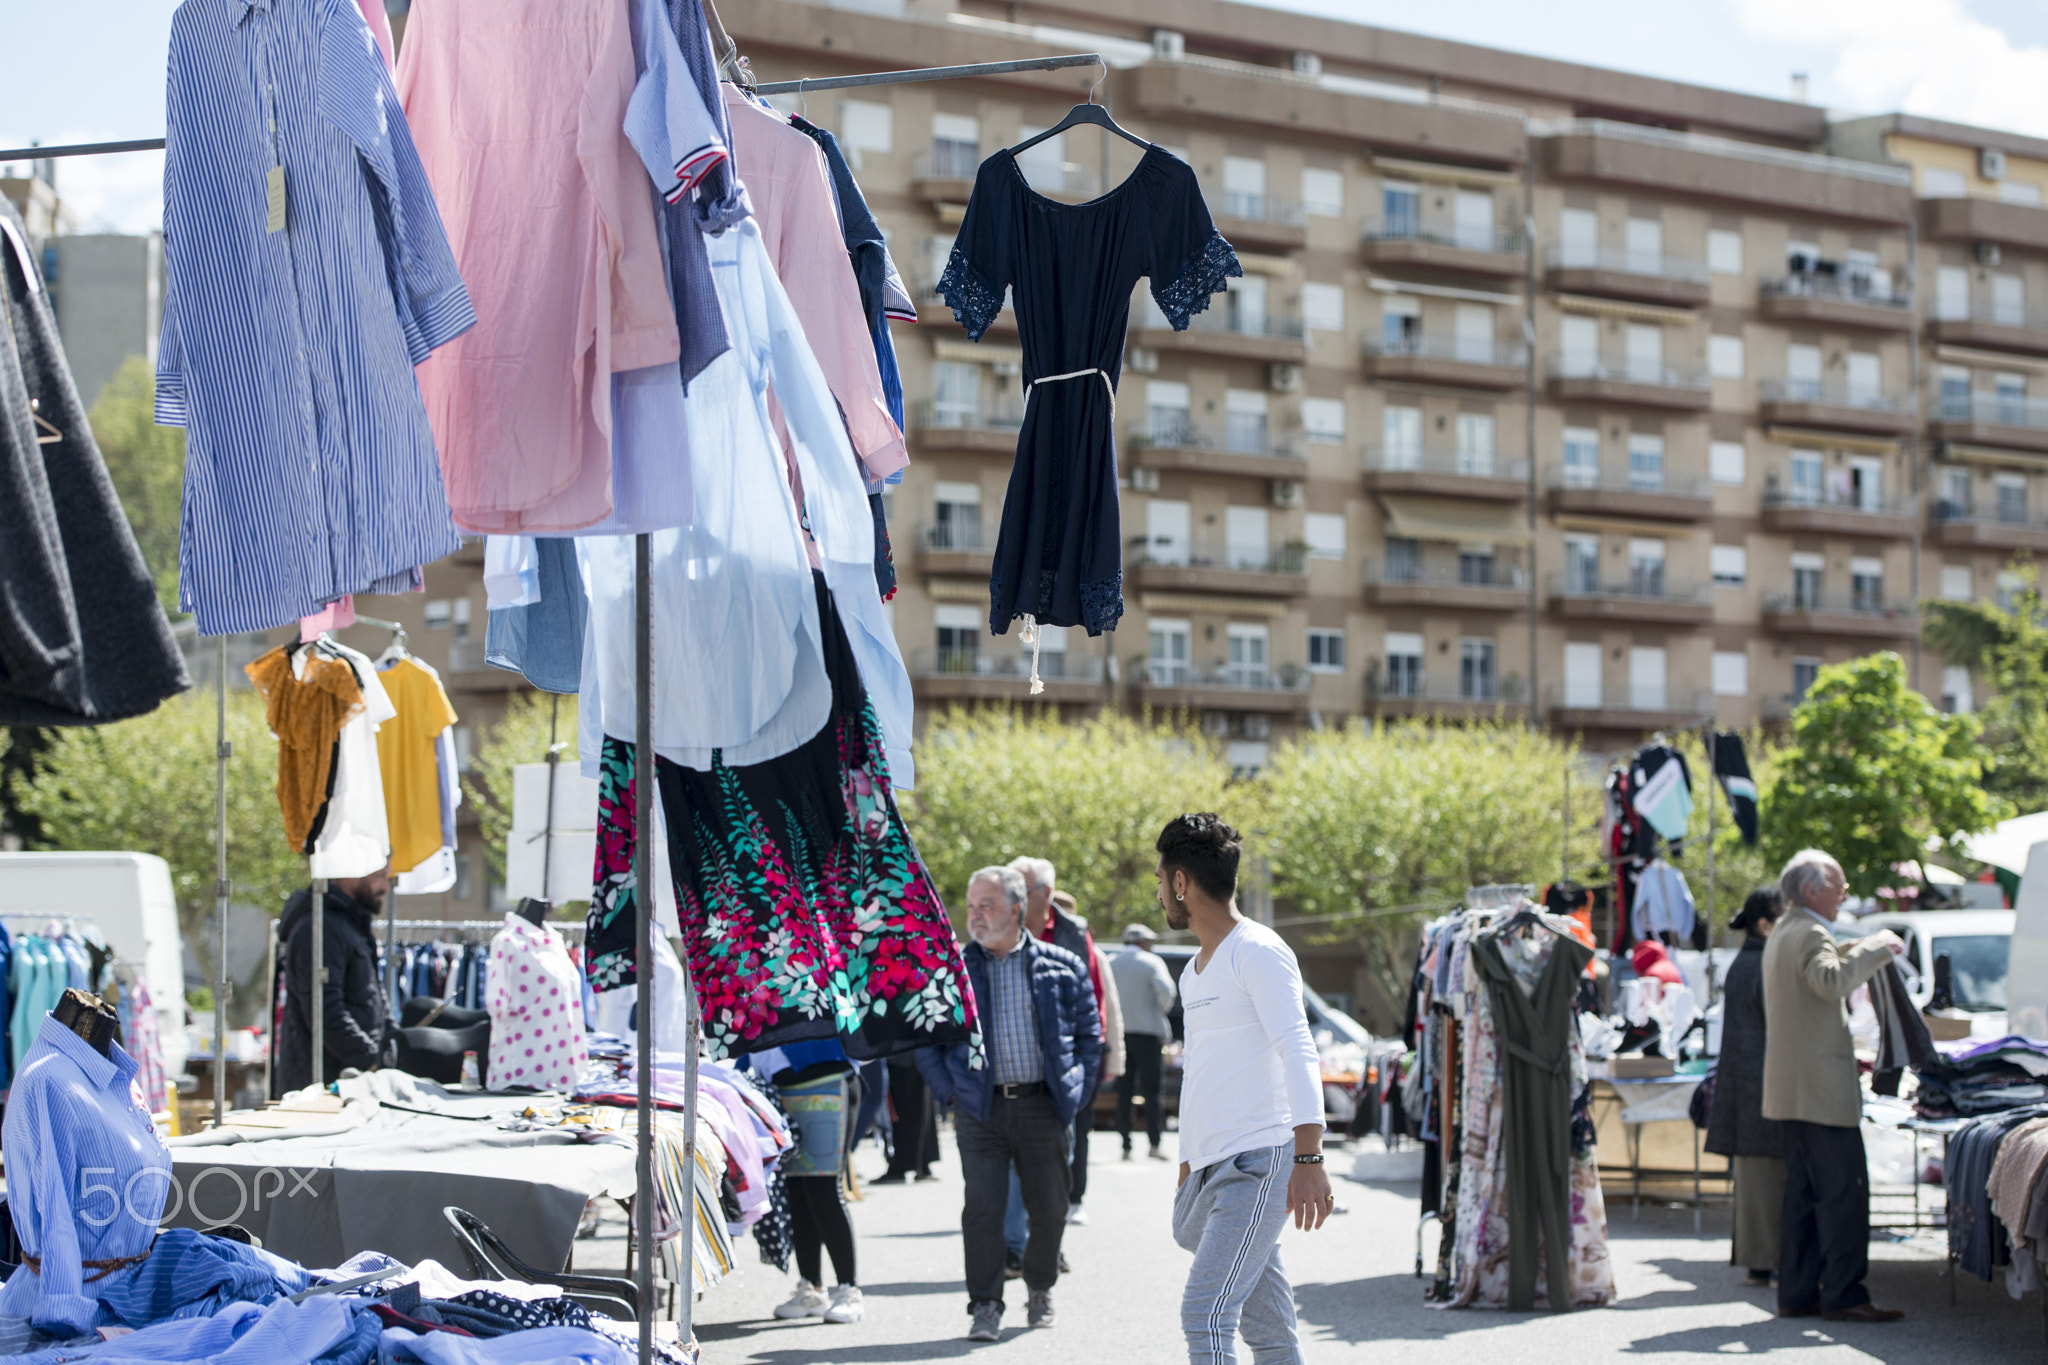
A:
(95, 68)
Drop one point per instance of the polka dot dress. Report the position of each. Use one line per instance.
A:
(536, 1003)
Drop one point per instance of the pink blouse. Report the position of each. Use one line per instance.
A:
(797, 209)
(519, 110)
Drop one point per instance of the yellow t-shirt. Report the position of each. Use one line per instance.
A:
(405, 752)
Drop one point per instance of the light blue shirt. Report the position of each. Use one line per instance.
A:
(288, 356)
(86, 1176)
(735, 585)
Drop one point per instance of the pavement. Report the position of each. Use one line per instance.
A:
(1355, 1289)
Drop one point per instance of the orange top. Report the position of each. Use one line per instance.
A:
(306, 715)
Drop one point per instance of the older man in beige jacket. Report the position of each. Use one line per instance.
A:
(1810, 1085)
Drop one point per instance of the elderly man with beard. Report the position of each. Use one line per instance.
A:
(1036, 1010)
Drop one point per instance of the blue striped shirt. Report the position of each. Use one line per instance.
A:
(87, 1176)
(287, 356)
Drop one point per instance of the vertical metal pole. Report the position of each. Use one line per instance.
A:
(547, 831)
(643, 906)
(221, 751)
(1713, 910)
(1564, 855)
(1529, 417)
(316, 1006)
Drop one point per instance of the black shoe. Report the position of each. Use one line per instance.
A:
(1013, 1266)
(1757, 1279)
(1065, 1269)
(892, 1178)
(928, 1176)
(1863, 1312)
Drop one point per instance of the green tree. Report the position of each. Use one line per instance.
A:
(2007, 646)
(147, 464)
(147, 786)
(1875, 775)
(1372, 828)
(522, 736)
(996, 783)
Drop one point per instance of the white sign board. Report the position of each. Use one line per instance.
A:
(2026, 978)
(567, 843)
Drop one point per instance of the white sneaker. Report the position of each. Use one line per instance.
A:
(1076, 1215)
(845, 1304)
(809, 1301)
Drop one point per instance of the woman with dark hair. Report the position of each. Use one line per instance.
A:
(1736, 1126)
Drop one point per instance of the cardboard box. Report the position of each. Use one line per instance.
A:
(1945, 1026)
(1642, 1068)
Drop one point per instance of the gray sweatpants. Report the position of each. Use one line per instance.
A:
(1230, 1216)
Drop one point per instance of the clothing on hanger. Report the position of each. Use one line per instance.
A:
(354, 838)
(1661, 789)
(407, 760)
(437, 873)
(537, 1037)
(291, 426)
(1731, 764)
(542, 639)
(1071, 270)
(82, 637)
(307, 703)
(1663, 903)
(564, 299)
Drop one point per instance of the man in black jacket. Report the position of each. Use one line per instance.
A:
(352, 1000)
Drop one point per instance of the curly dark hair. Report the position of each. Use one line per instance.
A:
(1205, 848)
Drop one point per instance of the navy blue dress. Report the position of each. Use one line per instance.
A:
(1070, 269)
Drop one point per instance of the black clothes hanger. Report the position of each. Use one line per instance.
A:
(1087, 112)
(91, 1018)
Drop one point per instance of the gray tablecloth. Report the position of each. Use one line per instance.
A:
(375, 1178)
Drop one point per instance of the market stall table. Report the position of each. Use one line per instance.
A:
(375, 1173)
(1651, 1099)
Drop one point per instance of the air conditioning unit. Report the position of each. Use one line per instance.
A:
(1144, 480)
(1988, 253)
(1308, 64)
(1285, 492)
(1991, 163)
(1283, 378)
(1168, 45)
(1141, 360)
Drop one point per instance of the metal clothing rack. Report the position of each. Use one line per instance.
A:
(643, 875)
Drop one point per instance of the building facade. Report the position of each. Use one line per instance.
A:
(1546, 387)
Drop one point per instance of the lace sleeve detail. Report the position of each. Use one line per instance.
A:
(974, 303)
(1189, 292)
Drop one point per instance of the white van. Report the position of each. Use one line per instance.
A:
(128, 895)
(1978, 945)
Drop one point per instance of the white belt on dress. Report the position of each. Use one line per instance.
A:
(1029, 634)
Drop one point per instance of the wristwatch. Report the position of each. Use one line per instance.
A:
(1308, 1158)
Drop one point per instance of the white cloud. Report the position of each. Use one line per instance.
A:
(1930, 57)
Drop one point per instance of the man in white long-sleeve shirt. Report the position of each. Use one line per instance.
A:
(1251, 1106)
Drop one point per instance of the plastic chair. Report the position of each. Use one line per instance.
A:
(491, 1259)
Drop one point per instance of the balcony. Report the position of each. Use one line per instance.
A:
(1241, 571)
(1668, 497)
(1176, 687)
(1698, 166)
(1991, 419)
(1469, 364)
(1504, 588)
(1637, 709)
(953, 427)
(1814, 513)
(954, 548)
(1260, 220)
(2022, 332)
(1814, 299)
(1401, 244)
(1860, 616)
(945, 174)
(1645, 598)
(1985, 220)
(1639, 276)
(1642, 384)
(469, 671)
(1225, 330)
(1962, 526)
(1450, 695)
(1447, 473)
(1834, 407)
(970, 675)
(1182, 445)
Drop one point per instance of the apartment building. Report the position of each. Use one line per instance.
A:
(1693, 440)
